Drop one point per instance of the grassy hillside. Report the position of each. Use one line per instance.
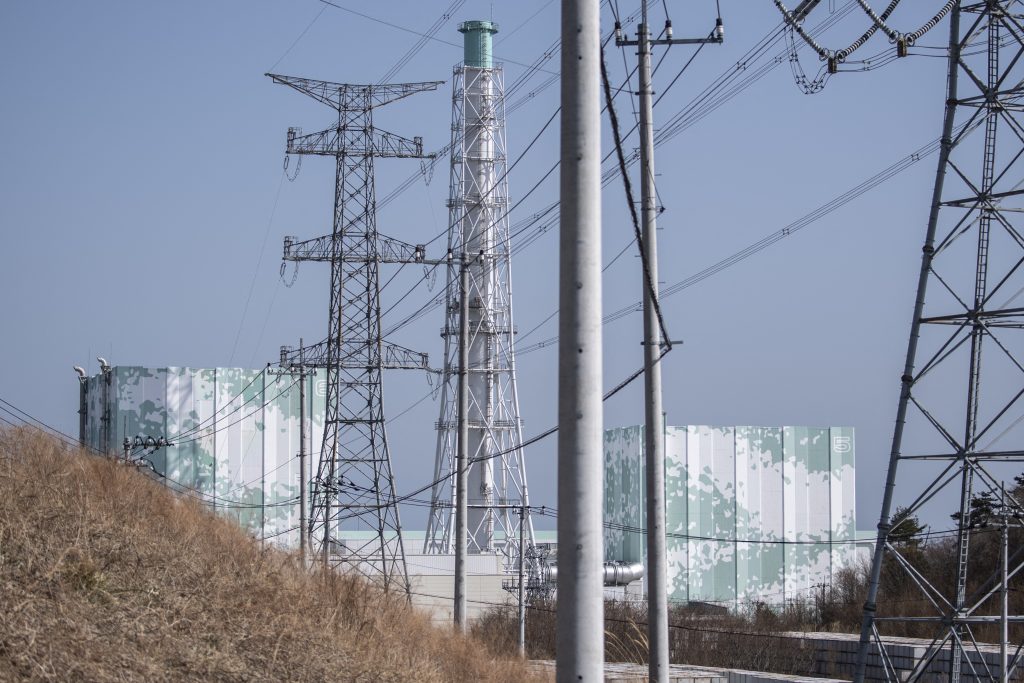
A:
(105, 575)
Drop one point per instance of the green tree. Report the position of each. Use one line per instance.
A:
(907, 530)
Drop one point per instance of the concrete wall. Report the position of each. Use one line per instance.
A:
(433, 586)
(835, 654)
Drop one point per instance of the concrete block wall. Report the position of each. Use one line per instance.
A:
(835, 654)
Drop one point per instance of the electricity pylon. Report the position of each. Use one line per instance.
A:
(972, 270)
(354, 487)
(478, 234)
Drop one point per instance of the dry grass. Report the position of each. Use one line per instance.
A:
(107, 576)
(696, 636)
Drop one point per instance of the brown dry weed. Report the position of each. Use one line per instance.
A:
(107, 576)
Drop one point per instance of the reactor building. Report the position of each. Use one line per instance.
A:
(234, 435)
(753, 514)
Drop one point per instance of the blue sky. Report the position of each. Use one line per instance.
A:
(143, 196)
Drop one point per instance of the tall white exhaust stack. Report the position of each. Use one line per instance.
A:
(478, 227)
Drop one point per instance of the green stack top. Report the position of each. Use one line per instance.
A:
(477, 43)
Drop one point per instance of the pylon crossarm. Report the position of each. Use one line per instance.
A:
(392, 356)
(352, 141)
(970, 316)
(353, 249)
(982, 455)
(962, 203)
(346, 95)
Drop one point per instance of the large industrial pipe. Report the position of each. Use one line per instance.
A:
(615, 573)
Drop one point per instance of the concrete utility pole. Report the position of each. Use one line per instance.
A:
(580, 620)
(1004, 614)
(522, 576)
(462, 461)
(654, 426)
(303, 482)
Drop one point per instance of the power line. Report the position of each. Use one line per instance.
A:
(259, 262)
(418, 45)
(300, 37)
(410, 31)
(837, 202)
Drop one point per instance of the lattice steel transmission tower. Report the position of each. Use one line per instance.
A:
(972, 271)
(354, 488)
(478, 232)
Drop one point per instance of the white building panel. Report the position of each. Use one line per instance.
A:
(764, 507)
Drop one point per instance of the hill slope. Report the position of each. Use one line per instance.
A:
(105, 575)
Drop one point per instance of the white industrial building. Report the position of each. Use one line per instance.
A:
(753, 514)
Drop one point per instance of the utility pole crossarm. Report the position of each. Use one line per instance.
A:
(716, 37)
(352, 248)
(392, 356)
(343, 95)
(351, 141)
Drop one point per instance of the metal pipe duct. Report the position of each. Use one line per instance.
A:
(614, 573)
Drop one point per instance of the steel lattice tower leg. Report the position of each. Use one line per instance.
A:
(354, 488)
(972, 270)
(478, 228)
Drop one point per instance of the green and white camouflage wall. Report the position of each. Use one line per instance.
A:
(752, 513)
(235, 434)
